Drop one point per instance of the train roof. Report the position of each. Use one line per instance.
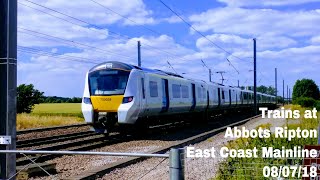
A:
(129, 67)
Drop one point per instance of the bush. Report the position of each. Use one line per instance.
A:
(305, 88)
(317, 105)
(305, 101)
(27, 97)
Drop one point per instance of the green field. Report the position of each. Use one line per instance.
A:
(51, 114)
(63, 109)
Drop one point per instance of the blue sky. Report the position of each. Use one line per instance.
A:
(56, 50)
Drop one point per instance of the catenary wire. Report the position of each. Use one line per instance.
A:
(71, 41)
(199, 32)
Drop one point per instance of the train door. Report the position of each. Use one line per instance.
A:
(237, 100)
(165, 95)
(230, 98)
(241, 97)
(193, 89)
(143, 102)
(223, 100)
(208, 102)
(219, 99)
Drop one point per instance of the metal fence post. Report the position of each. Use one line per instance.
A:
(176, 159)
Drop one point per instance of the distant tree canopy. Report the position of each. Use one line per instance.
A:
(263, 89)
(27, 97)
(55, 99)
(305, 88)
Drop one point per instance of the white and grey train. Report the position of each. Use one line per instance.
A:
(119, 94)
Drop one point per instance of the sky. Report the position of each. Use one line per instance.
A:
(59, 41)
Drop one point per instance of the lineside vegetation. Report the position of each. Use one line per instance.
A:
(245, 168)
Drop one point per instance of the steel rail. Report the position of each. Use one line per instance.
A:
(100, 171)
(51, 128)
(85, 153)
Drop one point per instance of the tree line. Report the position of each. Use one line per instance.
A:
(28, 96)
(56, 99)
(262, 89)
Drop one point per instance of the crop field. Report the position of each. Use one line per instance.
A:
(51, 114)
(64, 109)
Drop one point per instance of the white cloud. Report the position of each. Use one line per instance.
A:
(172, 19)
(248, 3)
(256, 22)
(132, 9)
(308, 55)
(315, 40)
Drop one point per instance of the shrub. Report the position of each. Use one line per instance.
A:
(305, 101)
(317, 105)
(27, 97)
(305, 88)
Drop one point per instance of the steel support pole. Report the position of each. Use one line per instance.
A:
(176, 160)
(8, 85)
(283, 91)
(139, 54)
(289, 95)
(255, 77)
(276, 85)
(209, 75)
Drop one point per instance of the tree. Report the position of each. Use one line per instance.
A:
(27, 97)
(264, 89)
(305, 88)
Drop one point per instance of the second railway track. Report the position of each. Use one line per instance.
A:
(161, 140)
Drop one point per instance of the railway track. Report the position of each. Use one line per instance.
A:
(52, 139)
(100, 171)
(92, 142)
(83, 141)
(50, 128)
(80, 140)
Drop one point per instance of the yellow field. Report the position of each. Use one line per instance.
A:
(29, 121)
(51, 114)
(57, 108)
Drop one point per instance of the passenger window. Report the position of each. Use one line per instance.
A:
(185, 91)
(153, 88)
(176, 93)
(199, 92)
(203, 93)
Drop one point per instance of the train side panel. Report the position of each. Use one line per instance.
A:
(128, 112)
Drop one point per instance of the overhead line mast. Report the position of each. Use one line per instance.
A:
(208, 69)
(8, 86)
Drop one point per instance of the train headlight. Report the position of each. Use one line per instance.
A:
(86, 100)
(127, 99)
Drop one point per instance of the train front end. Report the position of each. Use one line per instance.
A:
(103, 94)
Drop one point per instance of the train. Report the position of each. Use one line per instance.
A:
(118, 95)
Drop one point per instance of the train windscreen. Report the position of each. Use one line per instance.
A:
(108, 82)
